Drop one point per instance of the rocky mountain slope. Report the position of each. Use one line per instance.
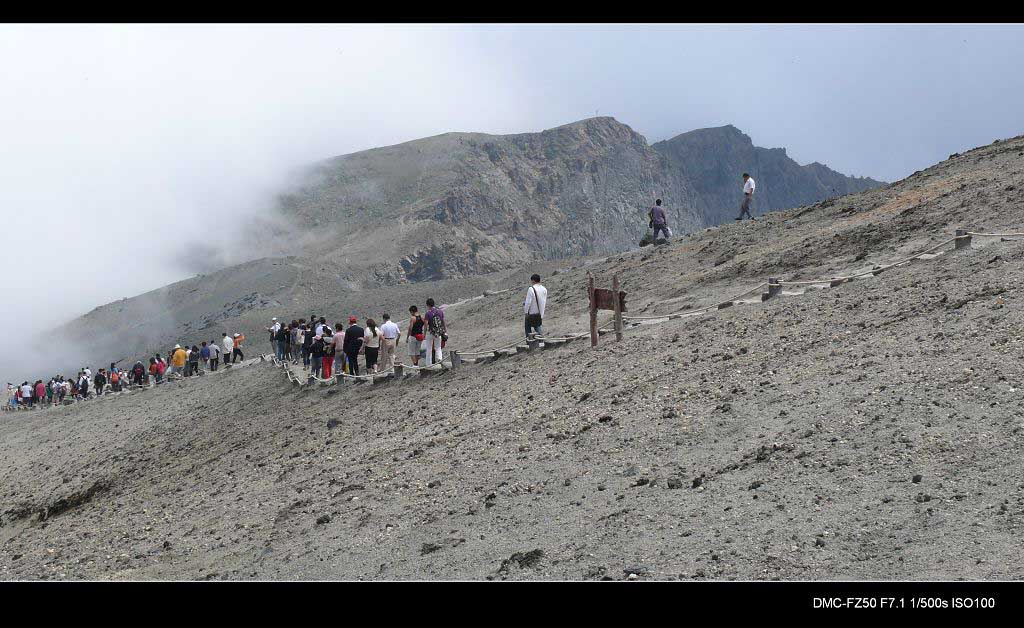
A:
(459, 205)
(713, 160)
(867, 431)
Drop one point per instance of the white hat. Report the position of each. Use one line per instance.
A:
(274, 319)
(177, 346)
(236, 335)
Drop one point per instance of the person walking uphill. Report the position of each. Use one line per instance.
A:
(437, 333)
(415, 336)
(536, 299)
(659, 220)
(748, 196)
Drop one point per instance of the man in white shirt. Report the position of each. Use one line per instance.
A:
(748, 196)
(229, 344)
(390, 334)
(536, 299)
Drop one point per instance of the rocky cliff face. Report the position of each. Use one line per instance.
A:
(463, 203)
(713, 161)
(459, 204)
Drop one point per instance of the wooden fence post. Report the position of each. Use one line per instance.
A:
(593, 310)
(618, 308)
(456, 359)
(963, 241)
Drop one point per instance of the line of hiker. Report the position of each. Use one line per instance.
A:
(182, 362)
(325, 349)
(322, 349)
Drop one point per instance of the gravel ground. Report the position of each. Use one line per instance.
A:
(867, 431)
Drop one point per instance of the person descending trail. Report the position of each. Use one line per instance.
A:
(748, 196)
(371, 345)
(437, 333)
(658, 220)
(193, 361)
(414, 338)
(100, 382)
(353, 343)
(390, 335)
(533, 307)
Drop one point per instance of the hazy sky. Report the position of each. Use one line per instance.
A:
(134, 142)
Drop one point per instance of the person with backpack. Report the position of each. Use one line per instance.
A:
(414, 338)
(100, 381)
(204, 354)
(40, 391)
(83, 385)
(115, 380)
(371, 345)
(536, 300)
(658, 220)
(316, 354)
(353, 343)
(282, 342)
(437, 333)
(193, 360)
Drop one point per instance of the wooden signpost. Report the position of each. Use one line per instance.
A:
(604, 299)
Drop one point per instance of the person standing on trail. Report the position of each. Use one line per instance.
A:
(40, 391)
(437, 333)
(214, 355)
(229, 346)
(353, 343)
(281, 336)
(371, 344)
(83, 385)
(100, 381)
(415, 336)
(338, 348)
(328, 352)
(748, 196)
(306, 339)
(316, 354)
(237, 350)
(273, 329)
(659, 220)
(204, 354)
(294, 342)
(193, 361)
(390, 335)
(536, 299)
(178, 359)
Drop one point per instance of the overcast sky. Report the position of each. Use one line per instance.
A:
(131, 141)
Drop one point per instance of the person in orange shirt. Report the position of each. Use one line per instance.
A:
(178, 358)
(237, 351)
